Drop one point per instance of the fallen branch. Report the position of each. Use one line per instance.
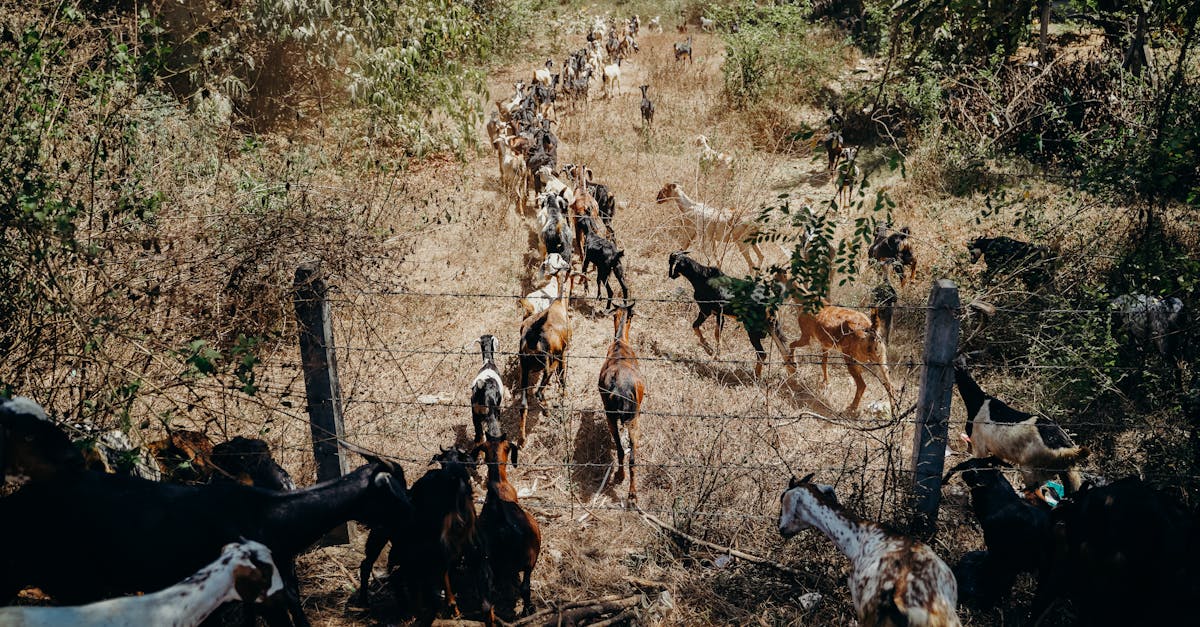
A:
(654, 521)
(627, 615)
(571, 613)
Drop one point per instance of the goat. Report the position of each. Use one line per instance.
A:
(710, 158)
(1151, 321)
(655, 24)
(1125, 554)
(443, 530)
(894, 580)
(832, 143)
(647, 108)
(487, 391)
(606, 203)
(621, 390)
(707, 25)
(710, 291)
(539, 300)
(607, 258)
(113, 452)
(511, 534)
(714, 225)
(584, 207)
(1016, 530)
(1033, 263)
(847, 176)
(854, 334)
(31, 447)
(547, 182)
(554, 227)
(612, 78)
(244, 571)
(543, 346)
(142, 535)
(684, 49)
(542, 75)
(884, 299)
(893, 247)
(184, 456)
(514, 173)
(1036, 445)
(248, 461)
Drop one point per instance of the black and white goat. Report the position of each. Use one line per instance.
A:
(1152, 321)
(709, 287)
(1015, 529)
(487, 392)
(1038, 446)
(606, 203)
(894, 580)
(554, 227)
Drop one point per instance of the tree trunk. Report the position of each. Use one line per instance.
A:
(1044, 34)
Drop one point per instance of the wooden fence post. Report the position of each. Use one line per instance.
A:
(320, 380)
(933, 404)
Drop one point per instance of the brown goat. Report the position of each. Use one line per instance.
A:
(544, 339)
(894, 248)
(185, 456)
(511, 535)
(584, 204)
(621, 390)
(851, 332)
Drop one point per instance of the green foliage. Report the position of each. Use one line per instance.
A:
(772, 55)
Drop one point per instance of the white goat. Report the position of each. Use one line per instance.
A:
(544, 75)
(714, 225)
(539, 300)
(893, 580)
(244, 572)
(707, 25)
(710, 158)
(612, 78)
(655, 24)
(554, 185)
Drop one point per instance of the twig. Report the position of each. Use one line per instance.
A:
(623, 616)
(655, 521)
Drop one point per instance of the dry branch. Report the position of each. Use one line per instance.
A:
(808, 578)
(576, 611)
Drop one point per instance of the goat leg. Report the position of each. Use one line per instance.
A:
(860, 385)
(451, 604)
(376, 540)
(632, 427)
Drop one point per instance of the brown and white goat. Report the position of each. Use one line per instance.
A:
(511, 534)
(854, 334)
(543, 346)
(621, 390)
(894, 580)
(894, 248)
(540, 299)
(514, 173)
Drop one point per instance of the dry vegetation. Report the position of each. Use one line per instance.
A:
(423, 261)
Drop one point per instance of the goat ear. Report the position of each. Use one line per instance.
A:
(827, 490)
(793, 482)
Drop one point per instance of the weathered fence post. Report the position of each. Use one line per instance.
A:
(320, 380)
(933, 404)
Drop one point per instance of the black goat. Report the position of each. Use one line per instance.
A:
(1004, 254)
(647, 108)
(511, 534)
(1016, 530)
(883, 308)
(31, 447)
(140, 535)
(248, 461)
(1125, 554)
(605, 256)
(487, 391)
(709, 286)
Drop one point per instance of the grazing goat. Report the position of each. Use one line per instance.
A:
(621, 390)
(707, 25)
(714, 225)
(684, 49)
(1030, 261)
(248, 461)
(605, 255)
(894, 580)
(854, 334)
(539, 300)
(244, 571)
(1125, 554)
(1034, 444)
(893, 248)
(612, 78)
(710, 291)
(31, 447)
(510, 534)
(1015, 529)
(1152, 321)
(554, 227)
(487, 391)
(883, 306)
(142, 535)
(647, 108)
(710, 158)
(543, 346)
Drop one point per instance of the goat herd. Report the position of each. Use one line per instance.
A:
(229, 523)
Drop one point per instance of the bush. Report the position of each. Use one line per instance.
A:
(775, 54)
